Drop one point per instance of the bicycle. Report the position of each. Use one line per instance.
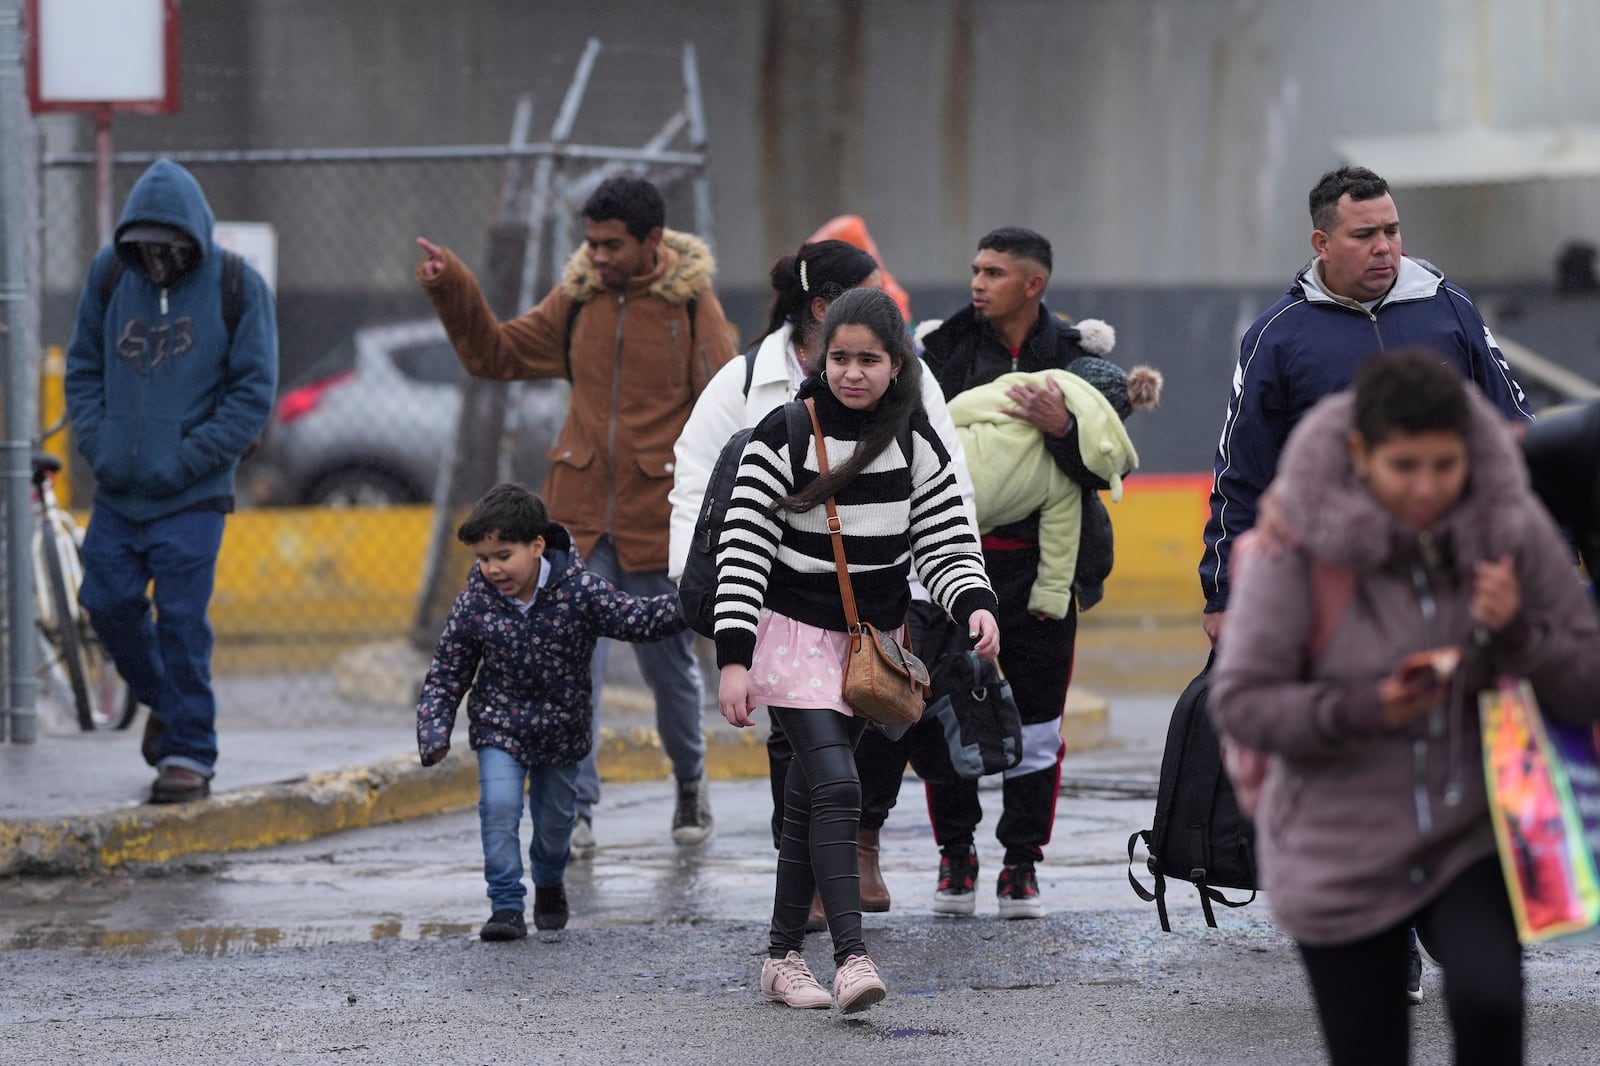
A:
(71, 656)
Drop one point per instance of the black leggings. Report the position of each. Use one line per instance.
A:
(821, 812)
(1360, 988)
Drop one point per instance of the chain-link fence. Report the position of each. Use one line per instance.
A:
(328, 550)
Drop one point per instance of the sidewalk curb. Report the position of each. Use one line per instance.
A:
(390, 790)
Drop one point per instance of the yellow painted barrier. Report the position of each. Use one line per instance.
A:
(52, 407)
(312, 572)
(1160, 527)
(297, 586)
(343, 573)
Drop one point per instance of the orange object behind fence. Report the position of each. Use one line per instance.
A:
(852, 229)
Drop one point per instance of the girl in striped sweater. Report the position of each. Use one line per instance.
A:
(780, 624)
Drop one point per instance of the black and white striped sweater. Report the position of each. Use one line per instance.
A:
(898, 510)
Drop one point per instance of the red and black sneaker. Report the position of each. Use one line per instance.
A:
(1018, 890)
(958, 880)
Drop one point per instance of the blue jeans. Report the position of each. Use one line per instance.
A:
(670, 669)
(166, 660)
(552, 796)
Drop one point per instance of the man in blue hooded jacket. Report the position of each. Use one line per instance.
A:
(165, 395)
(1357, 297)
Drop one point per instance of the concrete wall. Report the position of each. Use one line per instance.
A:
(1165, 146)
(1156, 141)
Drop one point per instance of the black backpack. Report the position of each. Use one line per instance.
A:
(1199, 834)
(697, 588)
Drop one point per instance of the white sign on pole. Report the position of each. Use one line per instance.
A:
(255, 242)
(102, 53)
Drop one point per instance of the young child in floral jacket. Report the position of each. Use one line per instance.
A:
(520, 636)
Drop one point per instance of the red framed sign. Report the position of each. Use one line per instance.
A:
(100, 55)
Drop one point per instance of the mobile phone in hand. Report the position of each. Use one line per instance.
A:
(1430, 669)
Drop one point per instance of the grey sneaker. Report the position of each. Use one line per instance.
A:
(582, 838)
(691, 820)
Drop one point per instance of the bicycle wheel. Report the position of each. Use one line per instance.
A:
(63, 632)
(112, 703)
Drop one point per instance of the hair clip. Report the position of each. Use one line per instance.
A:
(804, 285)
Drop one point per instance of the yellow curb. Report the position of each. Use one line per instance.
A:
(389, 791)
(392, 790)
(1085, 721)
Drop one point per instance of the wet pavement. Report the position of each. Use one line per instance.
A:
(423, 879)
(361, 947)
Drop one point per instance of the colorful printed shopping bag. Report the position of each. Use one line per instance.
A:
(1544, 800)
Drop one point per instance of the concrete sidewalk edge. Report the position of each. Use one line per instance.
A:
(390, 790)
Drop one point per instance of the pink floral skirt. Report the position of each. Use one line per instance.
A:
(800, 665)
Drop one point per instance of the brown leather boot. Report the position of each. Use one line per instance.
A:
(874, 893)
(817, 920)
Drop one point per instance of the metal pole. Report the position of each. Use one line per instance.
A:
(694, 108)
(102, 174)
(540, 219)
(379, 154)
(18, 179)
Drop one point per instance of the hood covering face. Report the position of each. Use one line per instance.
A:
(166, 197)
(1332, 514)
(684, 267)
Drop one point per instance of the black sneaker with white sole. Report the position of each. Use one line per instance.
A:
(1414, 977)
(1018, 889)
(958, 881)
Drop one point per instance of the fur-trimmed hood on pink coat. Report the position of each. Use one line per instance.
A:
(1361, 824)
(1335, 517)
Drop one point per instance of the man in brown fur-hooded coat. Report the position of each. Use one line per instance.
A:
(636, 329)
(636, 363)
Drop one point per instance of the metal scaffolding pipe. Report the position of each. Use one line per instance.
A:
(19, 723)
(435, 153)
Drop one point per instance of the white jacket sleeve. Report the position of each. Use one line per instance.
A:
(718, 414)
(939, 417)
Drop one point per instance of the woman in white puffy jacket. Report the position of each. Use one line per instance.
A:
(804, 284)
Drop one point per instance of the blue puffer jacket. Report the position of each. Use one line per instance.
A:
(1309, 345)
(531, 694)
(160, 406)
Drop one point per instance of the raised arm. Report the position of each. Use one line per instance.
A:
(531, 346)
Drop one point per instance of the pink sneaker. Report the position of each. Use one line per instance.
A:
(856, 985)
(788, 980)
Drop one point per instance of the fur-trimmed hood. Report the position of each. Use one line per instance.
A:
(1332, 514)
(684, 266)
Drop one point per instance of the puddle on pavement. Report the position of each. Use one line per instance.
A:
(214, 941)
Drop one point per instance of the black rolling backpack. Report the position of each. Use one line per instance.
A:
(1199, 834)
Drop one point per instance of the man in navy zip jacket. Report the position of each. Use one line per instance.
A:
(1359, 296)
(163, 403)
